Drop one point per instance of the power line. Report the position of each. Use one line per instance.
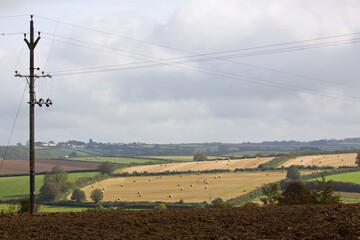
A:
(181, 50)
(13, 127)
(13, 16)
(234, 76)
(210, 57)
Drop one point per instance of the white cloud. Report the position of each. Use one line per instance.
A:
(182, 103)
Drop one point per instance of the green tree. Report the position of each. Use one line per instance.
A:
(58, 174)
(55, 184)
(73, 154)
(96, 195)
(293, 173)
(78, 195)
(296, 193)
(358, 159)
(324, 193)
(271, 191)
(107, 168)
(200, 157)
(50, 190)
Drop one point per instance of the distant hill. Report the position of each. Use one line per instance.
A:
(76, 148)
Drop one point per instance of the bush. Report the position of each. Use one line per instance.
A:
(161, 206)
(219, 203)
(96, 195)
(24, 206)
(9, 210)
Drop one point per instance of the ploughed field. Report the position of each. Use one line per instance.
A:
(248, 222)
(19, 166)
(186, 187)
(200, 166)
(333, 160)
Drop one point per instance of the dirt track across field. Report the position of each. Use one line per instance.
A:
(248, 222)
(19, 166)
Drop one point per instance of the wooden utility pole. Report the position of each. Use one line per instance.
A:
(32, 102)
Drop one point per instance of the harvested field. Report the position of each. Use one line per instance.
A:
(248, 222)
(199, 166)
(189, 188)
(333, 160)
(19, 166)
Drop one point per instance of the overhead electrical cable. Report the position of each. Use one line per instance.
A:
(217, 73)
(13, 127)
(247, 54)
(227, 60)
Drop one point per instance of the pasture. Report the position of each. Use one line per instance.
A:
(200, 166)
(186, 187)
(18, 187)
(46, 208)
(333, 160)
(353, 177)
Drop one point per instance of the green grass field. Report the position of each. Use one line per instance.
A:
(45, 208)
(353, 177)
(18, 187)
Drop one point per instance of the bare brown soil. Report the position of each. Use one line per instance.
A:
(248, 222)
(18, 166)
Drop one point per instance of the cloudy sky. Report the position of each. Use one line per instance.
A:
(183, 71)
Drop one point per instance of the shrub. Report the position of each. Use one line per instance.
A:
(24, 206)
(219, 203)
(161, 206)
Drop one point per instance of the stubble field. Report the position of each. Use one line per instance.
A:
(200, 166)
(333, 160)
(189, 188)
